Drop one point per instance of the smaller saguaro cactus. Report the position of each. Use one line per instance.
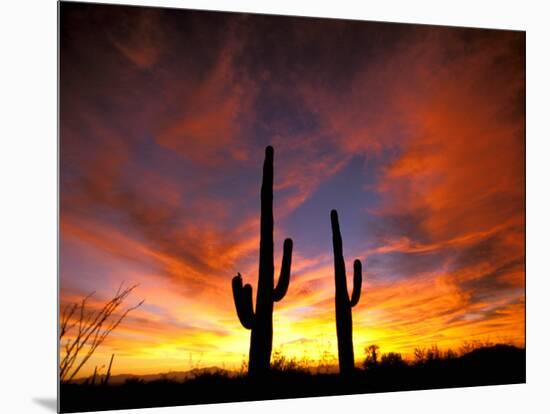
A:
(343, 303)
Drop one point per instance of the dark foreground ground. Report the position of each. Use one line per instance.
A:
(487, 366)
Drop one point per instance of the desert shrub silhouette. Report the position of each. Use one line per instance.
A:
(343, 303)
(260, 322)
(82, 331)
(392, 360)
(371, 356)
(283, 364)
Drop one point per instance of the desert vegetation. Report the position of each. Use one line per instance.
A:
(260, 319)
(82, 330)
(475, 364)
(342, 301)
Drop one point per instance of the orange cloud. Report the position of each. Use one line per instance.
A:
(209, 121)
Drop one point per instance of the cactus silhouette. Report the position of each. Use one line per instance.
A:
(260, 322)
(343, 303)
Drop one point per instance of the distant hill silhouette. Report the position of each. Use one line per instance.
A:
(179, 376)
(490, 365)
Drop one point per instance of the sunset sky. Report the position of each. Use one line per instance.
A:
(415, 134)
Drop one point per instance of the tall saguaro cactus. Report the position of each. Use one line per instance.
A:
(343, 303)
(260, 322)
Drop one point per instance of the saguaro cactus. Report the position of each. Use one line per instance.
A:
(260, 322)
(343, 303)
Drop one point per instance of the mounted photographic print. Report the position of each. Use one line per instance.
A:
(257, 207)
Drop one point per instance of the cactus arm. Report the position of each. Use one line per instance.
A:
(357, 280)
(242, 295)
(284, 277)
